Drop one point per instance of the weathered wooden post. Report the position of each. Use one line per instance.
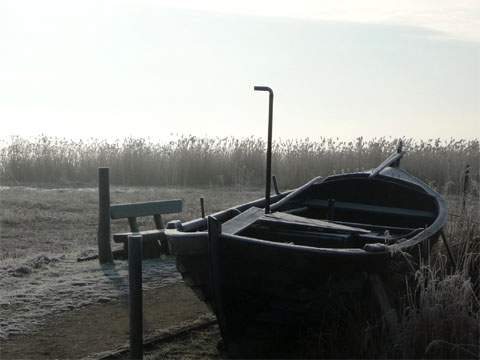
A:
(214, 233)
(135, 298)
(103, 234)
(275, 185)
(202, 206)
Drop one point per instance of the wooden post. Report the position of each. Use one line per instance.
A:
(214, 234)
(399, 150)
(103, 234)
(132, 221)
(202, 206)
(275, 185)
(157, 218)
(135, 298)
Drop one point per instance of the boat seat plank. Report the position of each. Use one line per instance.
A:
(290, 219)
(371, 208)
(242, 221)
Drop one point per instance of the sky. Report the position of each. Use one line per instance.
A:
(153, 68)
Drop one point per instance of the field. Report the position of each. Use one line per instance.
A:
(53, 306)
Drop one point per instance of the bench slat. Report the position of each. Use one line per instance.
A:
(122, 211)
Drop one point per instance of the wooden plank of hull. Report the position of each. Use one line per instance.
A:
(186, 243)
(273, 267)
(216, 277)
(279, 292)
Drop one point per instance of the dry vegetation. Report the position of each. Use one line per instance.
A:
(441, 316)
(193, 161)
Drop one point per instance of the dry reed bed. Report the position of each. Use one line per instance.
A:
(190, 160)
(441, 316)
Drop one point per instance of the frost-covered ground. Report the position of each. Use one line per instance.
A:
(43, 231)
(32, 289)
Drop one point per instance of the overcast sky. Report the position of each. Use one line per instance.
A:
(153, 68)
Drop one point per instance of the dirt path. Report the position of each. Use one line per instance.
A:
(101, 327)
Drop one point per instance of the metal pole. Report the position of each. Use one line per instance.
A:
(269, 146)
(135, 298)
(103, 231)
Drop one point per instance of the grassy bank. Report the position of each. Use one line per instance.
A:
(193, 161)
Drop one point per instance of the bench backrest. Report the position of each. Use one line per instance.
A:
(123, 211)
(155, 208)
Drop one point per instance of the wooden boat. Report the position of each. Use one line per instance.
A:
(284, 268)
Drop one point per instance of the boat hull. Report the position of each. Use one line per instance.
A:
(274, 295)
(278, 290)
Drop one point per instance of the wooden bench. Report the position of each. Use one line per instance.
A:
(154, 241)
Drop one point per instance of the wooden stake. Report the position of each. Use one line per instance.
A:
(214, 234)
(135, 298)
(202, 207)
(103, 234)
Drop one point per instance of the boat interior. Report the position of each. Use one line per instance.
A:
(341, 213)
